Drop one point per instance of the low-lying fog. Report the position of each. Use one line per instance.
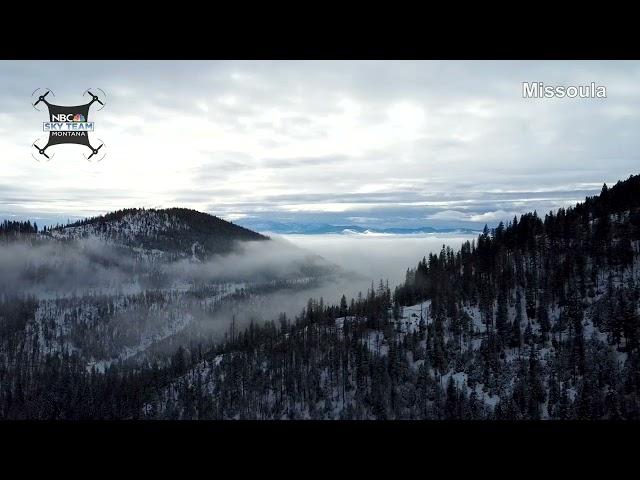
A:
(87, 267)
(362, 259)
(90, 263)
(376, 256)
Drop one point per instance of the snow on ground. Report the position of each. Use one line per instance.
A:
(173, 327)
(460, 381)
(376, 343)
(411, 316)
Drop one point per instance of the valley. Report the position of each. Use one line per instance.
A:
(175, 314)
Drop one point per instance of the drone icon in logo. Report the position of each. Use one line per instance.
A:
(68, 124)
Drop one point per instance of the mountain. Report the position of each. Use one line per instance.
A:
(287, 228)
(535, 319)
(131, 287)
(177, 231)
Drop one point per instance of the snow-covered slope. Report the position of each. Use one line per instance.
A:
(175, 231)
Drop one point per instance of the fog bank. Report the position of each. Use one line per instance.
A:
(375, 256)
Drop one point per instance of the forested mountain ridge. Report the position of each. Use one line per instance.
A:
(538, 319)
(113, 293)
(173, 230)
(554, 259)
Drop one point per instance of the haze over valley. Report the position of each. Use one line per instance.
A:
(373, 256)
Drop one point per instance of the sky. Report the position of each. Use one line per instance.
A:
(371, 143)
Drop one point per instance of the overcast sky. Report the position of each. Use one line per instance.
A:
(371, 143)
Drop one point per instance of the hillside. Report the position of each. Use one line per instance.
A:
(174, 230)
(120, 292)
(536, 319)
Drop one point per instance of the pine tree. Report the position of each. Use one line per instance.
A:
(502, 317)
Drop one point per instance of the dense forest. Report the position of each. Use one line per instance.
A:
(8, 227)
(536, 319)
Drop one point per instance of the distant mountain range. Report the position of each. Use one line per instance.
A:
(325, 228)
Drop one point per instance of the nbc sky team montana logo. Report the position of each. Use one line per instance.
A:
(68, 124)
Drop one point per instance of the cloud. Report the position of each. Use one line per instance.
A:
(449, 215)
(493, 217)
(400, 141)
(490, 217)
(375, 257)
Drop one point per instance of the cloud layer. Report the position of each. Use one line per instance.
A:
(379, 144)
